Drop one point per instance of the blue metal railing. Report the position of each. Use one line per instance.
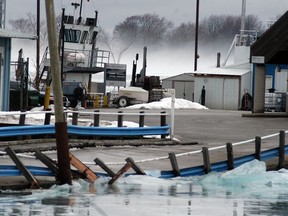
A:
(15, 131)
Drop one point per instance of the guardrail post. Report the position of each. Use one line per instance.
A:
(230, 157)
(75, 118)
(22, 118)
(163, 121)
(141, 119)
(47, 117)
(258, 148)
(96, 118)
(281, 149)
(120, 119)
(206, 159)
(174, 164)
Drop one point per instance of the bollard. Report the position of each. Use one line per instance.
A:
(120, 119)
(96, 118)
(96, 101)
(105, 101)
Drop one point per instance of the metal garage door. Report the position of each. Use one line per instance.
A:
(184, 90)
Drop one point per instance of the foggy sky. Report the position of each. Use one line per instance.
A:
(112, 12)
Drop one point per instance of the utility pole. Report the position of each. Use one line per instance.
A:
(196, 56)
(60, 123)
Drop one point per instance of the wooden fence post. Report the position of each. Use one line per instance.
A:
(230, 157)
(258, 148)
(120, 119)
(281, 149)
(206, 159)
(96, 118)
(141, 119)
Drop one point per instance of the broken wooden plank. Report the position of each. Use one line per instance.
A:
(120, 173)
(104, 167)
(83, 168)
(135, 167)
(27, 174)
(47, 161)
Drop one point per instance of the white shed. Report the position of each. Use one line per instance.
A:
(183, 85)
(224, 87)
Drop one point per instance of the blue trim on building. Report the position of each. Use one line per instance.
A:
(270, 70)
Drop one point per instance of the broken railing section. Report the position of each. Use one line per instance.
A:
(27, 174)
(130, 163)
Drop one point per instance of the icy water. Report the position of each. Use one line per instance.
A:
(247, 190)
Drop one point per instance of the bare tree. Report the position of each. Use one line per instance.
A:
(148, 29)
(183, 34)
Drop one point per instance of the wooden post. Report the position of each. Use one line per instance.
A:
(75, 118)
(258, 148)
(83, 168)
(163, 122)
(104, 167)
(141, 119)
(135, 167)
(120, 173)
(174, 164)
(206, 159)
(96, 118)
(230, 157)
(22, 118)
(281, 149)
(120, 119)
(47, 161)
(65, 176)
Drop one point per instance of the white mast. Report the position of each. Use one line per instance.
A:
(243, 14)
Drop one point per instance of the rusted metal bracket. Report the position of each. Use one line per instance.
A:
(27, 174)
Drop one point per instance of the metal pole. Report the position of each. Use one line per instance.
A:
(37, 81)
(196, 35)
(60, 124)
(172, 114)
